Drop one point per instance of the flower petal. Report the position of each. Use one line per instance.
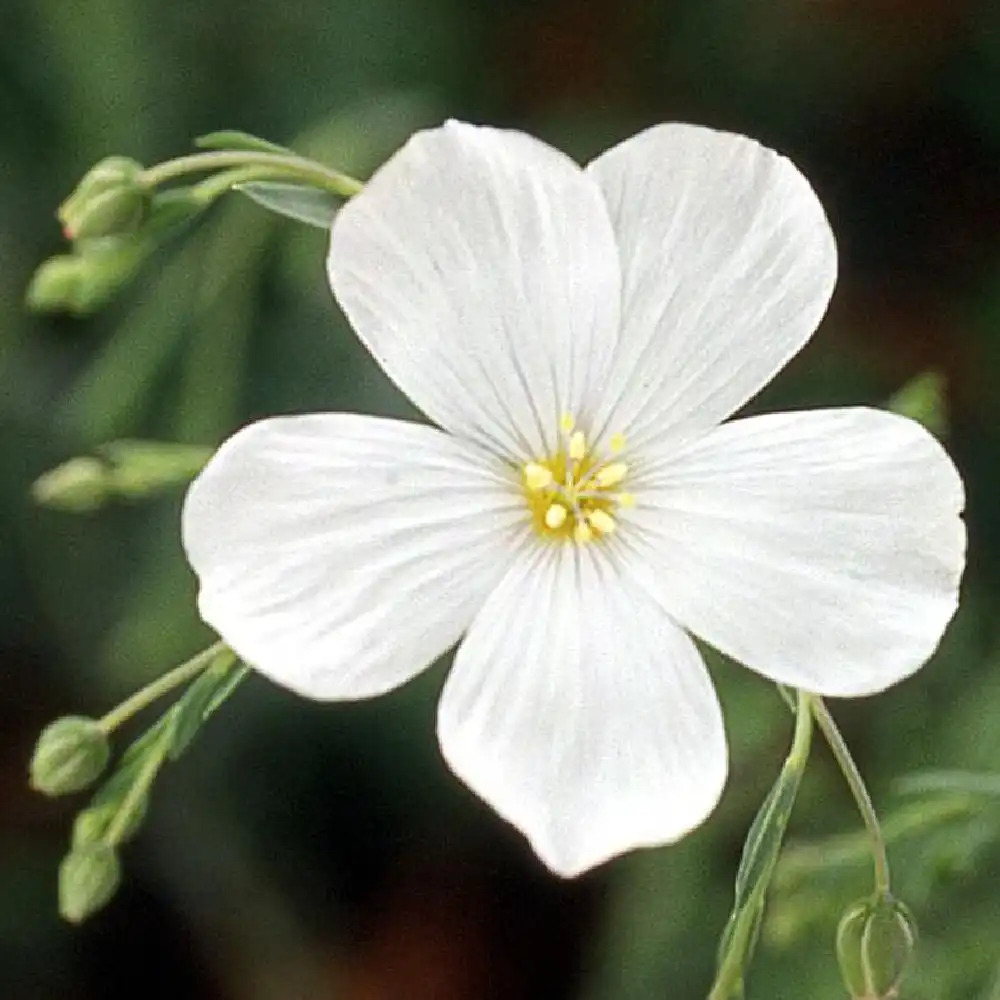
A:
(727, 264)
(580, 713)
(341, 554)
(480, 269)
(823, 549)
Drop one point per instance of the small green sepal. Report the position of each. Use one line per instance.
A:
(71, 754)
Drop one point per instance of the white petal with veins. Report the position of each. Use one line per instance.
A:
(341, 554)
(581, 713)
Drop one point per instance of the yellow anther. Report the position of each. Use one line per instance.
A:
(617, 442)
(537, 476)
(601, 520)
(555, 516)
(567, 423)
(611, 475)
(577, 446)
(582, 532)
(625, 500)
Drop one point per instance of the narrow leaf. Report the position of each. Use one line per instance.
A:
(294, 201)
(196, 705)
(971, 783)
(757, 864)
(234, 139)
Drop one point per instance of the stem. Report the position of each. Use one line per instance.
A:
(857, 786)
(298, 166)
(147, 695)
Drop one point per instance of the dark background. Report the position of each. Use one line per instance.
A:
(313, 851)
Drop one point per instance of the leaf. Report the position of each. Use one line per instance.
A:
(758, 861)
(294, 201)
(234, 139)
(971, 783)
(200, 700)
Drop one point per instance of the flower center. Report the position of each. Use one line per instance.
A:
(574, 494)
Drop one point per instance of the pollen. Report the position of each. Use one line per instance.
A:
(537, 476)
(555, 516)
(573, 494)
(611, 475)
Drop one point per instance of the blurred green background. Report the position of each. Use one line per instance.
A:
(324, 851)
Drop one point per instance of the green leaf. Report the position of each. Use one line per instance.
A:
(758, 861)
(199, 701)
(975, 784)
(234, 139)
(294, 201)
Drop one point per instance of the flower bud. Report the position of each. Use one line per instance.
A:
(92, 823)
(88, 878)
(875, 940)
(78, 283)
(923, 399)
(57, 284)
(109, 201)
(144, 468)
(79, 485)
(71, 754)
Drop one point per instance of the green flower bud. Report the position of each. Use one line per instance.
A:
(924, 399)
(57, 284)
(109, 201)
(144, 468)
(70, 754)
(82, 283)
(875, 940)
(88, 878)
(80, 485)
(92, 823)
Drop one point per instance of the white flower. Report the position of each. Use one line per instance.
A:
(579, 335)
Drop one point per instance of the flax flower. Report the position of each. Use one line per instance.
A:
(581, 509)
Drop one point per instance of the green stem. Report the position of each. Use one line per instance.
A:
(296, 166)
(171, 679)
(857, 786)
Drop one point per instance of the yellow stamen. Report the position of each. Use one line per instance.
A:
(572, 492)
(536, 476)
(555, 516)
(611, 475)
(601, 520)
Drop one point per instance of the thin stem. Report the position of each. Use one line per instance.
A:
(802, 739)
(299, 166)
(147, 695)
(857, 786)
